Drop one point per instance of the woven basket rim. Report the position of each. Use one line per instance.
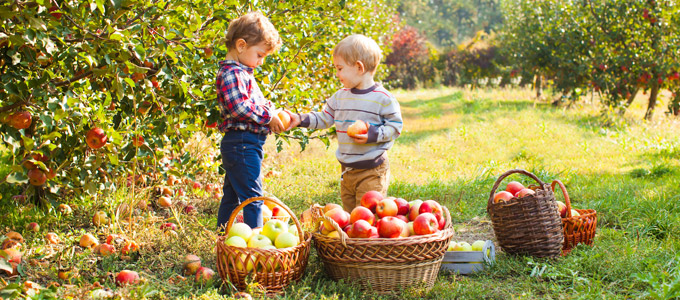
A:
(496, 184)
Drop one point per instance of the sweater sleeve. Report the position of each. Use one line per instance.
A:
(391, 125)
(320, 119)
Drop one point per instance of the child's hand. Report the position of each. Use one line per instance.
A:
(294, 120)
(360, 138)
(275, 124)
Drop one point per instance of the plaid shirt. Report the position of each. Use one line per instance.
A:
(242, 105)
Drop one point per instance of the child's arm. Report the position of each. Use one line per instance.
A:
(391, 126)
(318, 119)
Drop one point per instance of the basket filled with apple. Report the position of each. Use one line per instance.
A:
(579, 225)
(525, 219)
(273, 256)
(464, 258)
(385, 243)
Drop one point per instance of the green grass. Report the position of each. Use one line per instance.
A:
(454, 146)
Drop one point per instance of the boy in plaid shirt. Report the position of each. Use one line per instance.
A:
(247, 117)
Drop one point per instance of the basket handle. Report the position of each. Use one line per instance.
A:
(567, 201)
(506, 174)
(266, 199)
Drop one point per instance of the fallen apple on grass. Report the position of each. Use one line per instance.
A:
(127, 277)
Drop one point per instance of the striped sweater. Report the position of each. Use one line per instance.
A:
(374, 105)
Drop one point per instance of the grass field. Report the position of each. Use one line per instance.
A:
(454, 145)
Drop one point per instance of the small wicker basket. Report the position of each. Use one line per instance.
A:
(273, 269)
(530, 225)
(577, 229)
(383, 265)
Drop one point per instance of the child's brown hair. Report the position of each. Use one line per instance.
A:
(253, 28)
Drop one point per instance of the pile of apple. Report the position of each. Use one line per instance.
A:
(478, 245)
(389, 217)
(514, 189)
(269, 211)
(275, 234)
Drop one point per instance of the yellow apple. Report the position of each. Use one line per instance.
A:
(242, 230)
(285, 240)
(259, 241)
(273, 228)
(236, 241)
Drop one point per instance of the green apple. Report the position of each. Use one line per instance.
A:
(415, 202)
(478, 245)
(293, 230)
(285, 240)
(409, 225)
(249, 263)
(236, 241)
(242, 230)
(270, 247)
(259, 241)
(273, 228)
(452, 246)
(464, 246)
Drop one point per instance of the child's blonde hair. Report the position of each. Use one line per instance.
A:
(254, 28)
(358, 47)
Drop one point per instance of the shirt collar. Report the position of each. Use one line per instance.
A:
(229, 62)
(364, 91)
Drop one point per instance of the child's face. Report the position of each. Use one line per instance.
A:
(349, 75)
(253, 56)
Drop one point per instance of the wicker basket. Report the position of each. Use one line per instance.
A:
(273, 269)
(529, 225)
(577, 229)
(383, 265)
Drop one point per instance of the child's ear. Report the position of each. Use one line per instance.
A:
(241, 45)
(361, 66)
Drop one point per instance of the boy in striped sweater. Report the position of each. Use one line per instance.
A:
(363, 158)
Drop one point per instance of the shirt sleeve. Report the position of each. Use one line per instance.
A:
(391, 126)
(320, 119)
(238, 101)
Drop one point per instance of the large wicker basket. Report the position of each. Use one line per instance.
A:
(383, 265)
(273, 269)
(577, 229)
(530, 225)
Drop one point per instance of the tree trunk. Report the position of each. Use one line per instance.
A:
(630, 100)
(652, 101)
(538, 86)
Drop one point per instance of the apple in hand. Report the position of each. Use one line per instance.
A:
(386, 208)
(361, 213)
(357, 128)
(390, 227)
(425, 223)
(285, 119)
(513, 187)
(127, 277)
(370, 200)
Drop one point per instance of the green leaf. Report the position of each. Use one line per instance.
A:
(37, 24)
(17, 177)
(117, 36)
(100, 6)
(28, 142)
(6, 12)
(5, 266)
(113, 158)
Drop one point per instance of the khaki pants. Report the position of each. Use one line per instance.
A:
(354, 183)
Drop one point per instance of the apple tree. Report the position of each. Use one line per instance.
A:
(143, 73)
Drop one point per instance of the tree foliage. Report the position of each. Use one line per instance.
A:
(139, 68)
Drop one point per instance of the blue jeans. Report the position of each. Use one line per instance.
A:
(242, 155)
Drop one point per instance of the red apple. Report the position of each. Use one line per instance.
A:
(191, 264)
(127, 277)
(361, 213)
(96, 138)
(524, 192)
(390, 227)
(189, 209)
(425, 223)
(33, 226)
(431, 206)
(138, 141)
(168, 226)
(104, 249)
(360, 229)
(441, 221)
(562, 209)
(204, 274)
(513, 187)
(339, 216)
(502, 196)
(196, 185)
(386, 208)
(403, 206)
(20, 120)
(370, 200)
(373, 233)
(357, 128)
(36, 177)
(414, 211)
(402, 217)
(330, 206)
